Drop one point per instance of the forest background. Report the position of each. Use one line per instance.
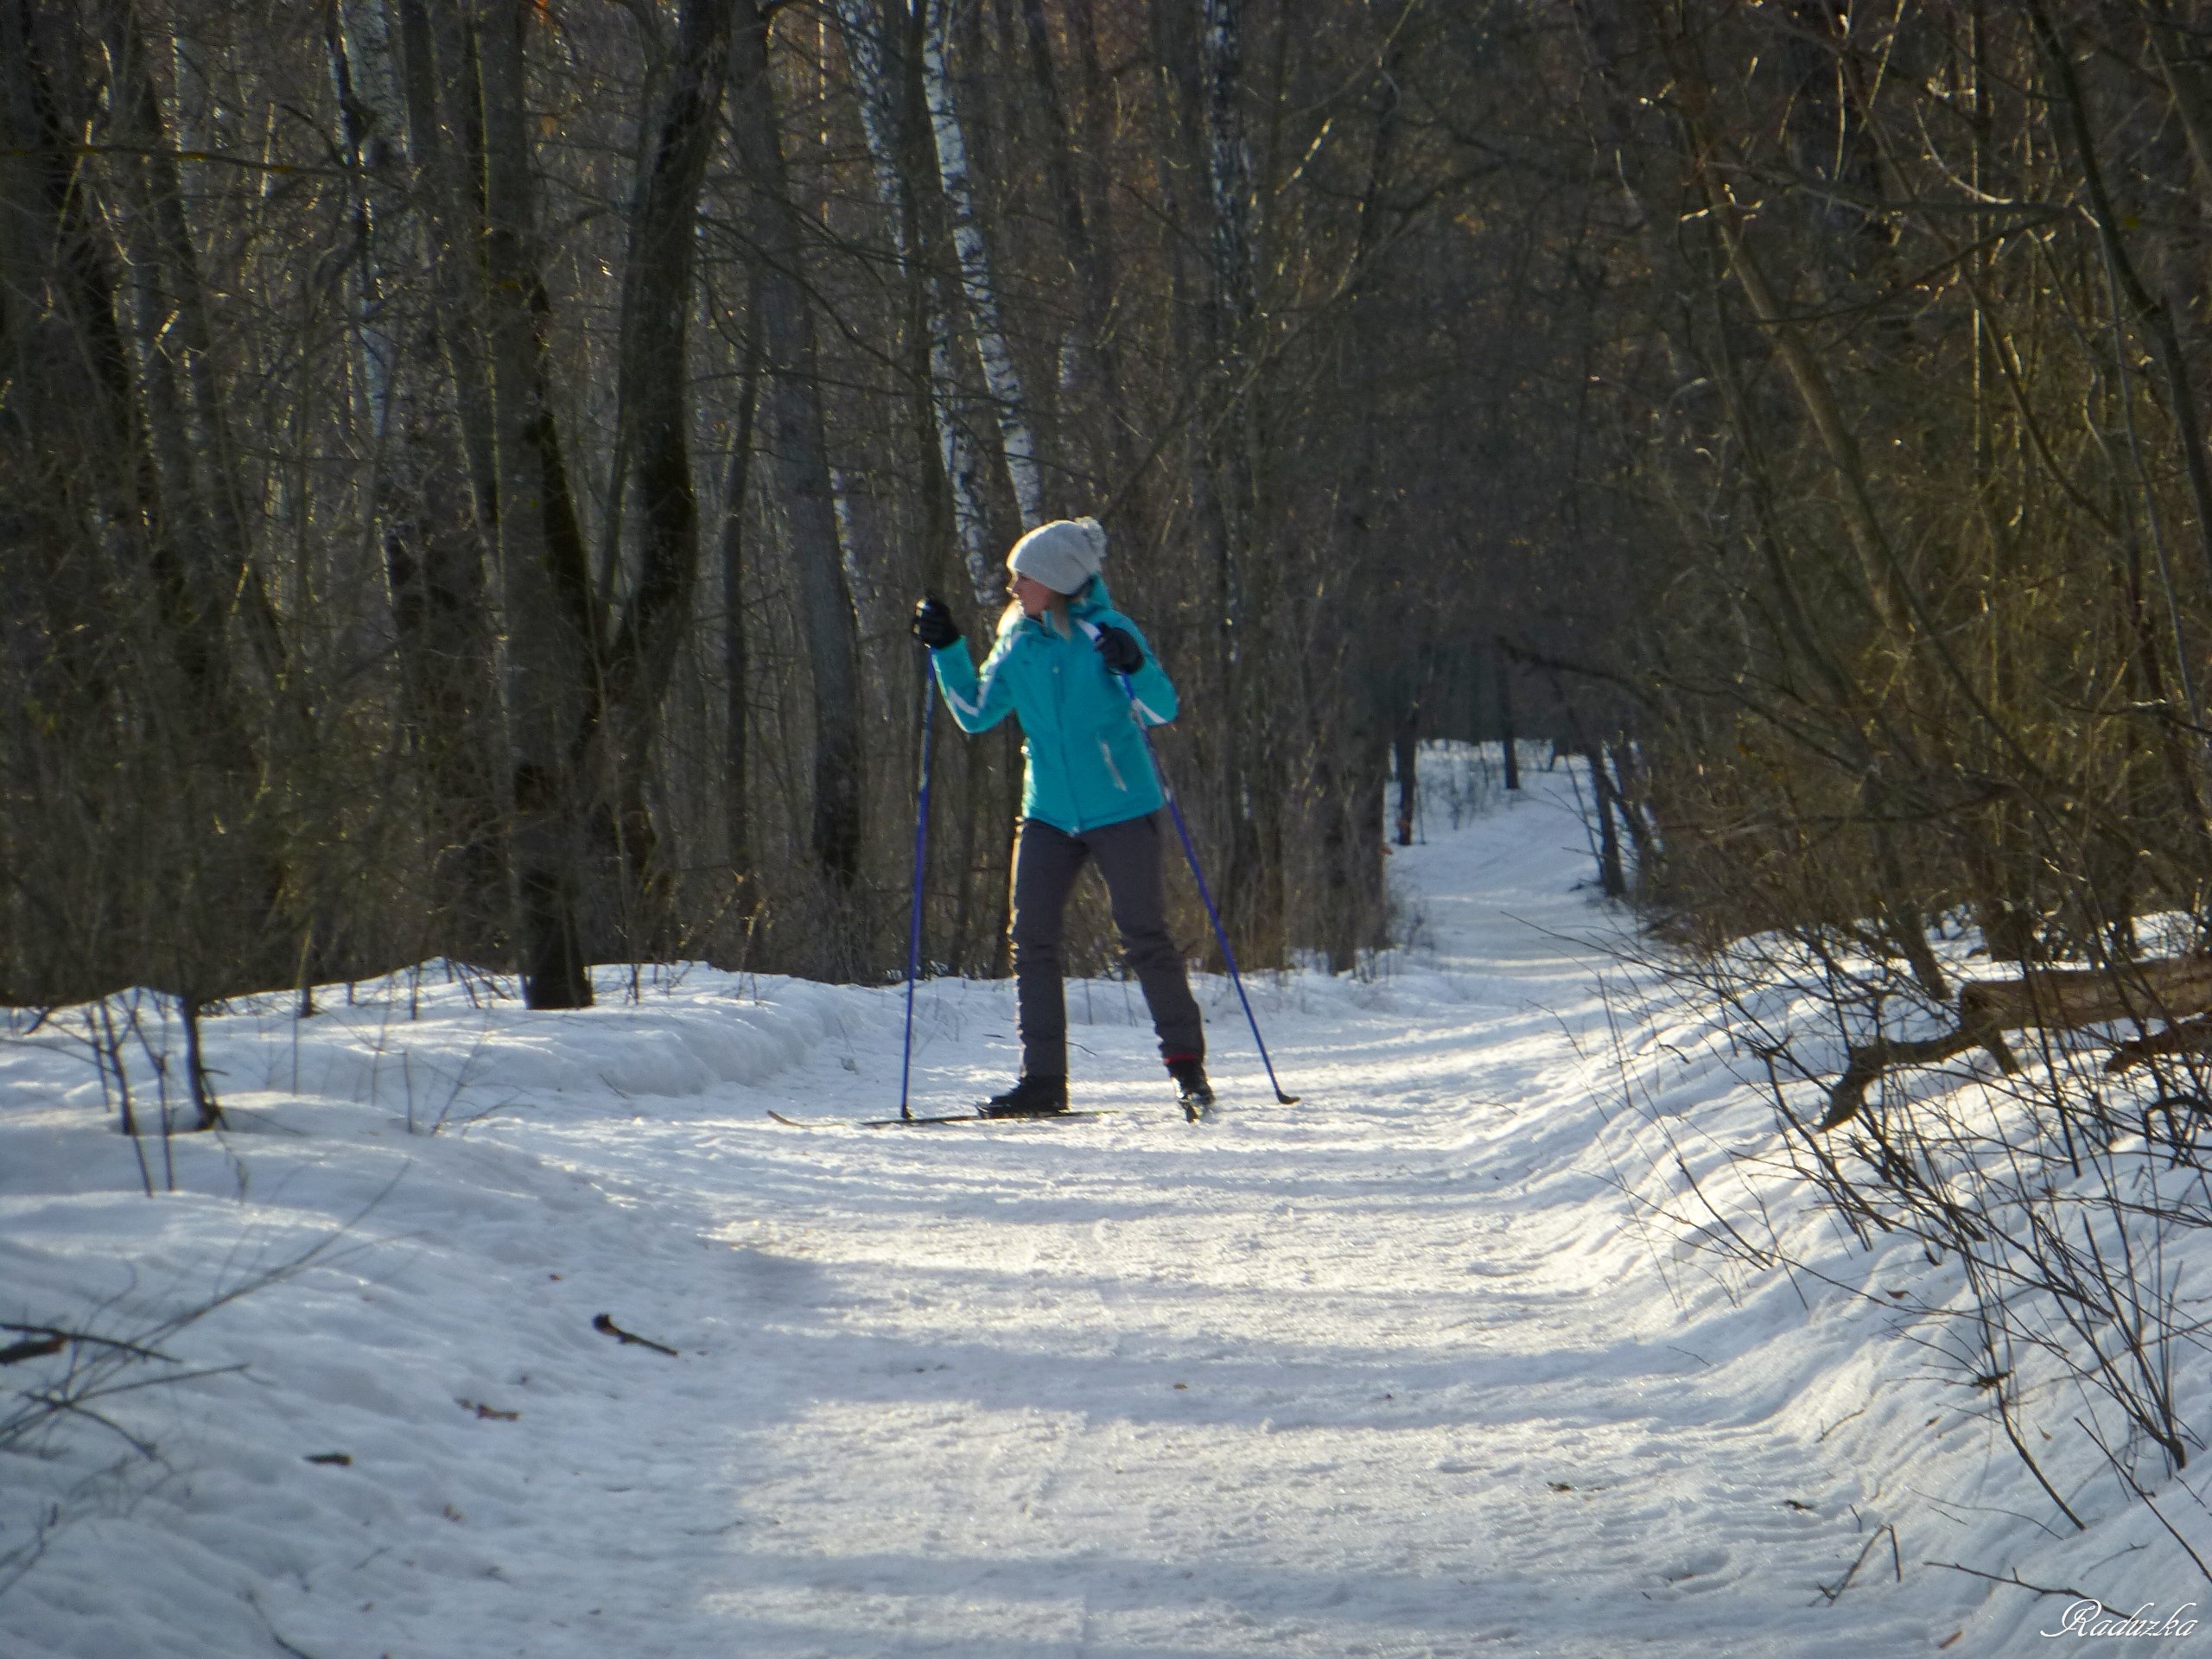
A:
(465, 468)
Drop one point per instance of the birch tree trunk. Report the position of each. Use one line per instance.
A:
(977, 288)
(864, 30)
(373, 121)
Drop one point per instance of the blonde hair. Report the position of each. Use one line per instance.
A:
(1056, 607)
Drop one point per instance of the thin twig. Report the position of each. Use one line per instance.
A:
(2014, 1579)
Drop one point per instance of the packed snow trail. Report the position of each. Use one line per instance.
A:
(1395, 1372)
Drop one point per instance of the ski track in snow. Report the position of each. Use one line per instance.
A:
(1395, 1371)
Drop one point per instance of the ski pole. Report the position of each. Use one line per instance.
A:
(1190, 851)
(921, 853)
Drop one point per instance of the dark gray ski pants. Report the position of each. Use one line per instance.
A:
(1046, 861)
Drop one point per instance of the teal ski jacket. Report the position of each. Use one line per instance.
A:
(1088, 762)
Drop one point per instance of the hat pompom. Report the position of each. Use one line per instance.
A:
(1094, 535)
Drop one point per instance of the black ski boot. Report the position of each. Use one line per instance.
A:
(1190, 1086)
(1031, 1097)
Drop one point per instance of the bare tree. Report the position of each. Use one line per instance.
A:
(791, 436)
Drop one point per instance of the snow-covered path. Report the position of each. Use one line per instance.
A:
(1395, 1371)
(1370, 1375)
(1332, 1380)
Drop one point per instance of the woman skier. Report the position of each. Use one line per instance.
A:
(1077, 675)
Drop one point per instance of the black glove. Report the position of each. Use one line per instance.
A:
(1118, 649)
(933, 625)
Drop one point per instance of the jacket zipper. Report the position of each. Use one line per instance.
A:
(1060, 710)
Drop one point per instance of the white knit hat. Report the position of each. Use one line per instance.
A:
(1063, 555)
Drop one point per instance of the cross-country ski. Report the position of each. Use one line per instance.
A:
(920, 1121)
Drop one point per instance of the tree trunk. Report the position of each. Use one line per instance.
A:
(213, 491)
(1088, 257)
(737, 758)
(1509, 739)
(1252, 883)
(545, 576)
(866, 34)
(202, 564)
(977, 288)
(1610, 878)
(654, 412)
(445, 149)
(791, 435)
(433, 557)
(1405, 740)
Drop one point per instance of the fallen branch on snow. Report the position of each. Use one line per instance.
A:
(605, 1324)
(15, 1352)
(1862, 1066)
(2047, 999)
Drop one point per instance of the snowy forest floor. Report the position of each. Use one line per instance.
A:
(1402, 1369)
